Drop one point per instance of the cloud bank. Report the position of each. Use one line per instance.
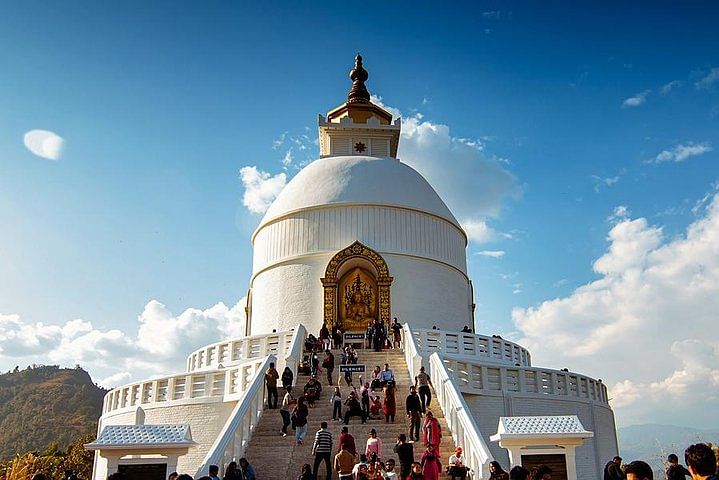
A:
(44, 143)
(654, 307)
(160, 344)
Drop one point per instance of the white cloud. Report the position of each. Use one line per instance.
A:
(479, 231)
(636, 100)
(21, 338)
(709, 79)
(159, 345)
(600, 182)
(682, 152)
(288, 158)
(261, 188)
(668, 87)
(491, 253)
(44, 143)
(473, 185)
(279, 141)
(620, 212)
(647, 325)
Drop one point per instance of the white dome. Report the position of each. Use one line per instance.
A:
(358, 180)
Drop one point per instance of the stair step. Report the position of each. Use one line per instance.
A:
(277, 458)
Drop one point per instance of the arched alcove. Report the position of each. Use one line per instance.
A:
(356, 288)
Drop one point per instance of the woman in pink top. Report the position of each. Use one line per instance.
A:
(374, 445)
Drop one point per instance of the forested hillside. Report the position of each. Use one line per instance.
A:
(45, 405)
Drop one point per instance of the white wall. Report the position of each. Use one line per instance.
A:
(383, 228)
(423, 293)
(596, 417)
(205, 419)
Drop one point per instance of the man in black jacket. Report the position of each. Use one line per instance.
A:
(405, 454)
(414, 409)
(613, 469)
(675, 471)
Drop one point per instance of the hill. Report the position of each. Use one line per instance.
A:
(652, 442)
(42, 405)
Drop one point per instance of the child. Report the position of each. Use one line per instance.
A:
(376, 406)
(336, 402)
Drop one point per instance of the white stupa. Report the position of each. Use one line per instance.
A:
(357, 236)
(358, 226)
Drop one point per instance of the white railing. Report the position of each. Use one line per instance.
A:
(239, 350)
(222, 385)
(488, 349)
(236, 434)
(460, 421)
(293, 353)
(411, 354)
(480, 378)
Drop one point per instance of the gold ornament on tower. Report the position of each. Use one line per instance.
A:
(362, 294)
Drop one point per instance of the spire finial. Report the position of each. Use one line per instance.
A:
(358, 93)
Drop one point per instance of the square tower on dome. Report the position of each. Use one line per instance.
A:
(359, 127)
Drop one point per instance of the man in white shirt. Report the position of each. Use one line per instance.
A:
(456, 464)
(389, 473)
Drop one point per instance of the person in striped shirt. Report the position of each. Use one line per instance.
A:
(322, 450)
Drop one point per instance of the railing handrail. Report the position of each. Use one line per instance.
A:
(601, 393)
(411, 352)
(138, 395)
(461, 422)
(504, 351)
(293, 355)
(279, 337)
(242, 421)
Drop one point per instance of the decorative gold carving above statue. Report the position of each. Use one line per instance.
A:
(359, 296)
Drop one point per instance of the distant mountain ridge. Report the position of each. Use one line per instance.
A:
(43, 404)
(653, 442)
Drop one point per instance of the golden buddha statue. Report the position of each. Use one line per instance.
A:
(357, 311)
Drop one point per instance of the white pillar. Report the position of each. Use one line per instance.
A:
(112, 462)
(571, 459)
(171, 464)
(515, 456)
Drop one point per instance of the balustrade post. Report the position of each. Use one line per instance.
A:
(188, 386)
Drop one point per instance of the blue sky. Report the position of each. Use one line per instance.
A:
(160, 105)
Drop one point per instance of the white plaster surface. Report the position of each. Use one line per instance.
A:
(382, 228)
(423, 293)
(595, 417)
(205, 420)
(358, 179)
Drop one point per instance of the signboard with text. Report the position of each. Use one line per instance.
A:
(354, 368)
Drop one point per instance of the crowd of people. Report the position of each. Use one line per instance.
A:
(700, 459)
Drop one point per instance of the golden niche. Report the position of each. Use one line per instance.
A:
(358, 299)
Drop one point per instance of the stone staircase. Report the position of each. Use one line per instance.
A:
(279, 458)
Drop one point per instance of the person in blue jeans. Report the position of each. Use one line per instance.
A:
(299, 420)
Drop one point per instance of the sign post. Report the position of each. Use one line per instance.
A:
(354, 339)
(352, 368)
